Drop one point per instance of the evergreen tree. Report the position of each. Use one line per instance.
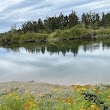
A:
(66, 21)
(73, 19)
(40, 25)
(61, 21)
(103, 21)
(84, 20)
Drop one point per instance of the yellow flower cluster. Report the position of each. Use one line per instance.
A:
(69, 101)
(29, 104)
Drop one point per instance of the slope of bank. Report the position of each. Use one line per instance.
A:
(58, 35)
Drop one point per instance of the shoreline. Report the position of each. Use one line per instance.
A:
(36, 88)
(35, 96)
(31, 87)
(71, 34)
(60, 40)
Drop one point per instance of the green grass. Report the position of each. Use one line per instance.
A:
(73, 98)
(75, 32)
(71, 33)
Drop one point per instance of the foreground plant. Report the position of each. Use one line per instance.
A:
(16, 101)
(74, 98)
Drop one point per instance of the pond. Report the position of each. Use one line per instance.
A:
(67, 63)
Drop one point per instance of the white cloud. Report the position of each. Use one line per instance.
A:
(95, 5)
(8, 3)
(18, 11)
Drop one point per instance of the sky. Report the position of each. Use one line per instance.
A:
(20, 11)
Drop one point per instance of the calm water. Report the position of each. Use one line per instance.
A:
(59, 63)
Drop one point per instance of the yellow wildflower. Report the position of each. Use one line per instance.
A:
(97, 108)
(17, 97)
(68, 101)
(108, 97)
(93, 106)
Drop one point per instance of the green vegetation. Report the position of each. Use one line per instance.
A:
(72, 98)
(28, 37)
(58, 28)
(58, 35)
(71, 33)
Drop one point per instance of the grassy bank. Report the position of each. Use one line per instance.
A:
(58, 35)
(75, 97)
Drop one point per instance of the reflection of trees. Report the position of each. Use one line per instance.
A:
(91, 47)
(58, 47)
(53, 48)
(12, 48)
(64, 48)
(106, 44)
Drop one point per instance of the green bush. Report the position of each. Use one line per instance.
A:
(77, 32)
(22, 39)
(15, 39)
(65, 34)
(102, 31)
(32, 37)
(42, 36)
(56, 34)
(74, 33)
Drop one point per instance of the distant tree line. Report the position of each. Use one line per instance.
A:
(59, 28)
(87, 20)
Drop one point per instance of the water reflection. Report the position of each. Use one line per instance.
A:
(63, 47)
(62, 63)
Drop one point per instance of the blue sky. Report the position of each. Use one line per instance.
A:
(19, 11)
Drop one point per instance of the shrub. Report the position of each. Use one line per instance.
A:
(56, 34)
(42, 36)
(15, 39)
(33, 37)
(77, 32)
(14, 101)
(102, 31)
(65, 34)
